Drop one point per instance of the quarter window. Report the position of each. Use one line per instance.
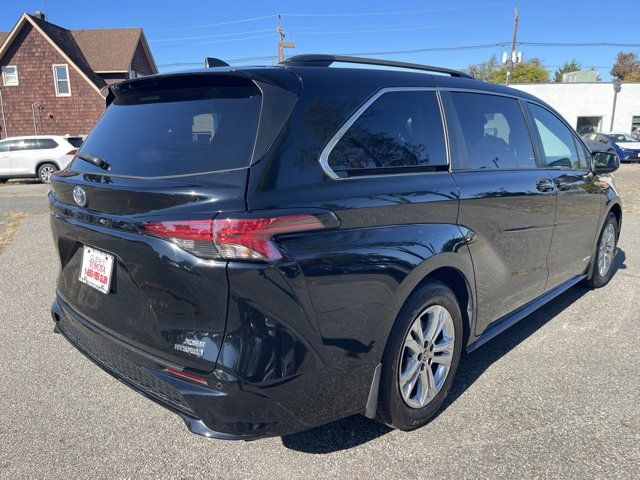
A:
(10, 75)
(61, 78)
(45, 144)
(494, 132)
(398, 132)
(558, 142)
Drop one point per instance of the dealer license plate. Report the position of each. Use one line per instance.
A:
(97, 268)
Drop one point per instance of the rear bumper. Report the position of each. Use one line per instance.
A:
(220, 409)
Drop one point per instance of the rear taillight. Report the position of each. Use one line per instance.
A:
(233, 238)
(71, 152)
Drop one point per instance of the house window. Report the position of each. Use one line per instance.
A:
(61, 79)
(10, 75)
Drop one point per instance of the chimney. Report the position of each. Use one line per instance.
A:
(39, 14)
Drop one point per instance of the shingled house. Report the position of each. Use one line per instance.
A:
(52, 77)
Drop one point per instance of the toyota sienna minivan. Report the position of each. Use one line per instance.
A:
(265, 249)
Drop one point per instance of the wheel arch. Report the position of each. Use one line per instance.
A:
(455, 273)
(616, 209)
(44, 161)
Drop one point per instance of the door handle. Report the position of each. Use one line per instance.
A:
(545, 184)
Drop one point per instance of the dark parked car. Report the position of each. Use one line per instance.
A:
(627, 147)
(265, 249)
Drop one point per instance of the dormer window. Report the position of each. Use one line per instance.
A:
(10, 75)
(61, 79)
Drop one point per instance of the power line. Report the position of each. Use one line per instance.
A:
(211, 36)
(234, 60)
(318, 15)
(311, 31)
(219, 41)
(595, 44)
(400, 29)
(243, 20)
(405, 12)
(494, 45)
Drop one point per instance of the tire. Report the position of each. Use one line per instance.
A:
(606, 247)
(424, 306)
(45, 170)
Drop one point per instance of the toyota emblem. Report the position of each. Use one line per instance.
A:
(80, 196)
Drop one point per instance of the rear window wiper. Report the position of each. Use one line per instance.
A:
(93, 159)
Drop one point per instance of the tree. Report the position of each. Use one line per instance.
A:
(525, 72)
(632, 77)
(626, 64)
(485, 70)
(571, 66)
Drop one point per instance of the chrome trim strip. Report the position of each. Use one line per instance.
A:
(445, 129)
(326, 151)
(475, 90)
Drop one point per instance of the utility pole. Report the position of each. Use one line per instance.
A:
(617, 86)
(516, 17)
(281, 43)
(4, 122)
(281, 36)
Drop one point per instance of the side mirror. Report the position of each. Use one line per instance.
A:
(605, 162)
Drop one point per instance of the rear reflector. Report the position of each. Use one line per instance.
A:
(233, 238)
(187, 375)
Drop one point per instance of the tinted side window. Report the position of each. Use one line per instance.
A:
(398, 130)
(558, 143)
(18, 145)
(494, 132)
(44, 144)
(4, 146)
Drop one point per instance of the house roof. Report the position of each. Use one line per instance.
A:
(117, 57)
(90, 51)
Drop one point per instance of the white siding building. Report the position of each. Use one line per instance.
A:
(586, 105)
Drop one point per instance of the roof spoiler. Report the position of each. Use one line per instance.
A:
(277, 77)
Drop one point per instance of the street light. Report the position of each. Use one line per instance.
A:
(617, 86)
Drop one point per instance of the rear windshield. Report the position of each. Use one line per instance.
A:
(173, 132)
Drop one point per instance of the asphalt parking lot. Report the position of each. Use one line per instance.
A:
(557, 395)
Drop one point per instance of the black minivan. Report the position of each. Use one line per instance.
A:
(266, 249)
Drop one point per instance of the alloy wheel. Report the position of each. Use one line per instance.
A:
(606, 250)
(46, 172)
(426, 356)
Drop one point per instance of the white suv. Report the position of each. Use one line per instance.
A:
(36, 156)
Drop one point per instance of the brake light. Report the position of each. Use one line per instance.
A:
(71, 152)
(233, 238)
(252, 238)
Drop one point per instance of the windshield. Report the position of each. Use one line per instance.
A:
(174, 132)
(621, 138)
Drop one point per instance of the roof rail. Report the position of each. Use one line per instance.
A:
(315, 60)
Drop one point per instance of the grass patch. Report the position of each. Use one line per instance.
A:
(9, 226)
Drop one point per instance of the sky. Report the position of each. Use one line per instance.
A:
(182, 32)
